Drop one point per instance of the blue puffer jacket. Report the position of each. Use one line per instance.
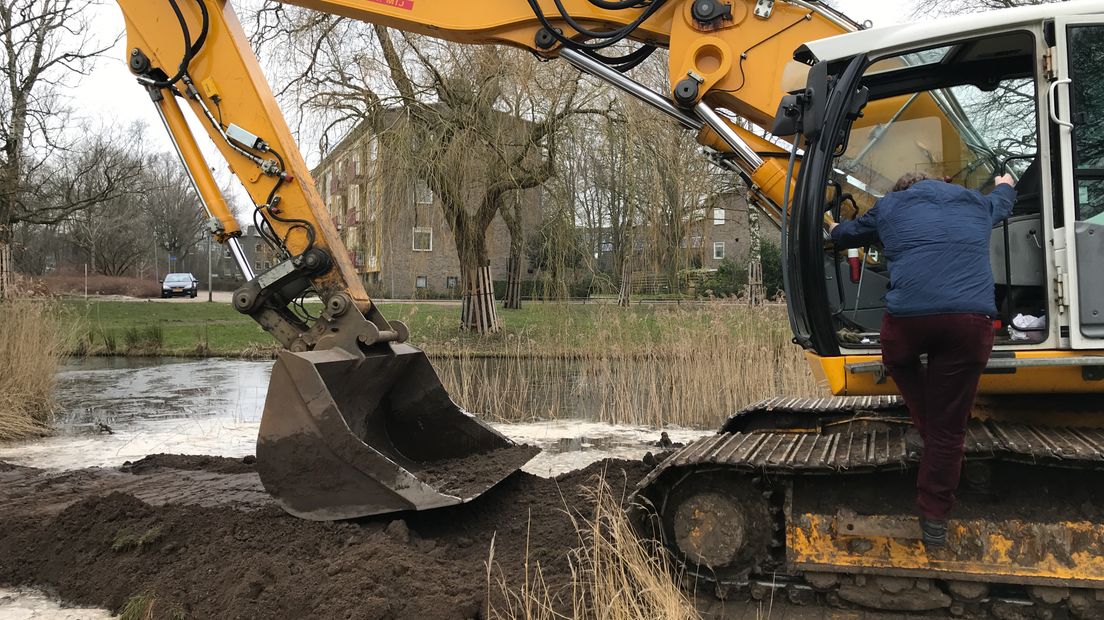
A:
(936, 240)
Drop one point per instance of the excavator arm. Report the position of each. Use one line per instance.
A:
(357, 422)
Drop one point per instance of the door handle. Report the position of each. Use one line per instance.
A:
(1052, 105)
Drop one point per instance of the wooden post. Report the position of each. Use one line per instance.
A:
(479, 313)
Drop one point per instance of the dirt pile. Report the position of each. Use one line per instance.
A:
(188, 462)
(220, 561)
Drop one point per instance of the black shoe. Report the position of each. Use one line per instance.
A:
(934, 533)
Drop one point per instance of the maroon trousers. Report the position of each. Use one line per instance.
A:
(939, 397)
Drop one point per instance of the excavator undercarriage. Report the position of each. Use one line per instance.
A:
(815, 497)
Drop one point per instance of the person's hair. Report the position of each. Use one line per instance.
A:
(909, 179)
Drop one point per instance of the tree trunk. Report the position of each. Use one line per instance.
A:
(478, 312)
(624, 294)
(755, 258)
(7, 271)
(512, 300)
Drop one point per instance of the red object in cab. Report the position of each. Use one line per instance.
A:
(855, 262)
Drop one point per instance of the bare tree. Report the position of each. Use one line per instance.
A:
(43, 44)
(671, 182)
(927, 8)
(110, 228)
(173, 213)
(476, 126)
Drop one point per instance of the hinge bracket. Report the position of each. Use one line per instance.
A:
(764, 8)
(1060, 290)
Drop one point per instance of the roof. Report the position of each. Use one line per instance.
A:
(887, 38)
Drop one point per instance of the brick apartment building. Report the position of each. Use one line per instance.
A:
(224, 271)
(723, 231)
(392, 223)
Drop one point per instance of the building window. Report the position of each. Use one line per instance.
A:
(696, 240)
(452, 282)
(356, 162)
(421, 282)
(718, 250)
(373, 149)
(257, 265)
(423, 239)
(258, 248)
(422, 194)
(353, 212)
(718, 217)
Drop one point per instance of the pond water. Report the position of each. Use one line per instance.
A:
(119, 409)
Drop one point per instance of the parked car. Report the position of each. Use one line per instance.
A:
(179, 284)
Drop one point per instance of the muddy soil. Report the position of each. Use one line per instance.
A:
(466, 476)
(188, 462)
(87, 537)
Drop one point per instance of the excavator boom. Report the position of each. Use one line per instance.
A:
(356, 421)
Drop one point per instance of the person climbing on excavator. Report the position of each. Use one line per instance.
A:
(940, 304)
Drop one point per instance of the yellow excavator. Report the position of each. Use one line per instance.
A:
(818, 115)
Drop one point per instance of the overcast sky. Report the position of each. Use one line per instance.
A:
(110, 95)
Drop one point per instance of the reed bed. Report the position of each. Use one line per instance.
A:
(32, 347)
(614, 575)
(689, 367)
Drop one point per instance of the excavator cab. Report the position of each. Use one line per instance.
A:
(964, 107)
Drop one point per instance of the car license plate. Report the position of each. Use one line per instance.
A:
(178, 290)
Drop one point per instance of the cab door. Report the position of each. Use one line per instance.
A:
(1076, 101)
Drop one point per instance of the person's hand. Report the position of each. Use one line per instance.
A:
(829, 223)
(1004, 179)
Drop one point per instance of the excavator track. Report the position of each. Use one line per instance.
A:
(815, 497)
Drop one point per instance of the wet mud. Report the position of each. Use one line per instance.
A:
(102, 544)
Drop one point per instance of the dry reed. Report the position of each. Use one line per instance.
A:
(613, 575)
(699, 367)
(32, 347)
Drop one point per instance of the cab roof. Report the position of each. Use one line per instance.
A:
(910, 35)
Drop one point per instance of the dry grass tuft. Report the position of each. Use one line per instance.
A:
(147, 607)
(32, 347)
(614, 575)
(701, 365)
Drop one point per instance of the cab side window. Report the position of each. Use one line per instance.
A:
(1086, 62)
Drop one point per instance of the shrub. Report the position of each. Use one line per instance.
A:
(729, 279)
(65, 284)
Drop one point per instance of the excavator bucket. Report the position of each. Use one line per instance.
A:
(345, 436)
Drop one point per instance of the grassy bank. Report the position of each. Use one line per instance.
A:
(537, 330)
(690, 365)
(32, 346)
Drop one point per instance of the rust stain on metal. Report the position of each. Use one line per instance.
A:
(1062, 553)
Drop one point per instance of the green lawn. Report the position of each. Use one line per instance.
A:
(107, 327)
